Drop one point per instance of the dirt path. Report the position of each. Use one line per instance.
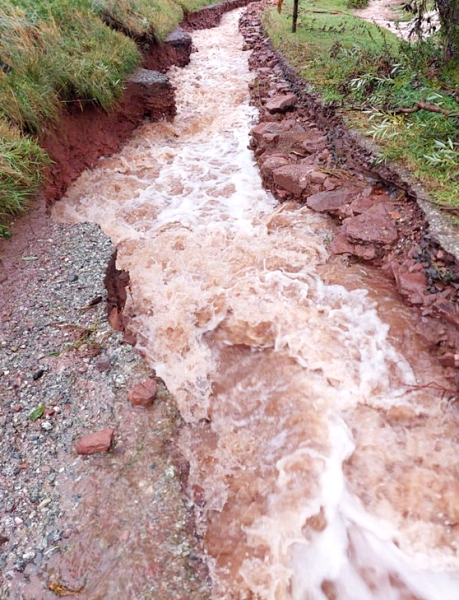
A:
(385, 13)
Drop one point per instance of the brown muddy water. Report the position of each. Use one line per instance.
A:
(323, 467)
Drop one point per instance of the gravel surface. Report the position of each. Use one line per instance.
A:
(64, 373)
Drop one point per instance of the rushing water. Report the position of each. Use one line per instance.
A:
(322, 470)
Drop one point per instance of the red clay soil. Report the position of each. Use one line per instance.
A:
(210, 16)
(84, 135)
(296, 149)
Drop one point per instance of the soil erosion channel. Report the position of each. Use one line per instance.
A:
(322, 458)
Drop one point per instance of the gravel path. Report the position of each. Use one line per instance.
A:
(64, 373)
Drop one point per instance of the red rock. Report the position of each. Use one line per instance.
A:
(410, 285)
(318, 177)
(313, 145)
(92, 443)
(431, 331)
(143, 393)
(331, 184)
(281, 103)
(262, 129)
(333, 202)
(374, 226)
(341, 245)
(361, 204)
(271, 163)
(448, 310)
(293, 178)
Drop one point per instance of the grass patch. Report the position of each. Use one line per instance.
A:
(21, 165)
(366, 73)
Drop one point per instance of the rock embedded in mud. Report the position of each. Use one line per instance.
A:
(143, 393)
(410, 285)
(281, 103)
(263, 132)
(271, 163)
(341, 245)
(334, 202)
(295, 179)
(93, 443)
(374, 226)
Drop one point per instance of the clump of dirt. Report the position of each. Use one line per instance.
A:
(301, 158)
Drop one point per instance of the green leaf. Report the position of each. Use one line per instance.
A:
(37, 412)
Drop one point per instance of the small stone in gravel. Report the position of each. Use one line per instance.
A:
(143, 393)
(100, 441)
(103, 364)
(38, 374)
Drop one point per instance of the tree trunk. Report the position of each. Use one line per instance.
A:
(449, 17)
(295, 15)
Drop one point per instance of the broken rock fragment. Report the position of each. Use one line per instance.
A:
(281, 103)
(143, 393)
(332, 202)
(374, 226)
(92, 443)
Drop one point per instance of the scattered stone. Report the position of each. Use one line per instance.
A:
(38, 374)
(281, 103)
(271, 163)
(103, 364)
(92, 443)
(143, 393)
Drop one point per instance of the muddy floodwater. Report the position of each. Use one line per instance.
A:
(323, 452)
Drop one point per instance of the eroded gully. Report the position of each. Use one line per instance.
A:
(321, 465)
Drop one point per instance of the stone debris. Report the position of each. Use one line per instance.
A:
(143, 393)
(281, 103)
(100, 441)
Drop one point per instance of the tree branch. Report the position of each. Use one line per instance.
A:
(421, 105)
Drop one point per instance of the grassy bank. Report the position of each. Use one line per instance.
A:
(54, 52)
(368, 75)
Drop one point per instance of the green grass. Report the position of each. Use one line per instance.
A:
(56, 52)
(366, 73)
(21, 163)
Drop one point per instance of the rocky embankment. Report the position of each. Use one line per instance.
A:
(299, 160)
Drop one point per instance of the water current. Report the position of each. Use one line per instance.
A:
(325, 469)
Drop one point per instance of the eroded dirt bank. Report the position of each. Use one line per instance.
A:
(86, 132)
(321, 434)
